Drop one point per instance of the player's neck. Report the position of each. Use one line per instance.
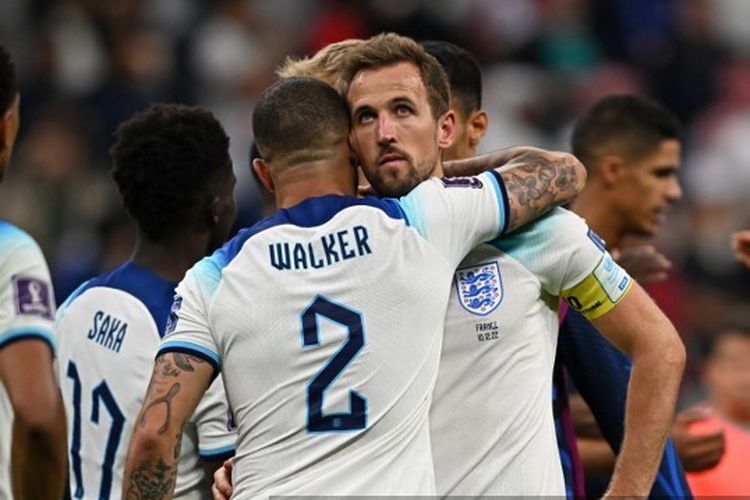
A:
(170, 259)
(438, 170)
(313, 179)
(591, 205)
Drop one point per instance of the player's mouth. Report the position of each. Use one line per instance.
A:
(660, 216)
(390, 160)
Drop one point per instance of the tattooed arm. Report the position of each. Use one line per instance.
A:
(476, 165)
(177, 384)
(536, 182)
(536, 179)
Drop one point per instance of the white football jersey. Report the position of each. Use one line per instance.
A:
(491, 419)
(326, 320)
(108, 332)
(27, 309)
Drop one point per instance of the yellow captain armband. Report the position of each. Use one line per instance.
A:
(601, 290)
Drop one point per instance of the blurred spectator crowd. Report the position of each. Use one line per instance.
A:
(86, 65)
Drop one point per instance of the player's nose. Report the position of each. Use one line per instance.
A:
(674, 191)
(385, 129)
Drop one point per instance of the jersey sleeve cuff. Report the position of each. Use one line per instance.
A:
(194, 350)
(218, 454)
(28, 333)
(502, 199)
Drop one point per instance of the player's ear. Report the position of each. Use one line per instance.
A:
(214, 211)
(9, 125)
(478, 124)
(4, 128)
(446, 129)
(353, 143)
(261, 170)
(610, 168)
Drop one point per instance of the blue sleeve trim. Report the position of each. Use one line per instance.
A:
(413, 212)
(397, 212)
(26, 333)
(218, 454)
(502, 199)
(193, 349)
(76, 293)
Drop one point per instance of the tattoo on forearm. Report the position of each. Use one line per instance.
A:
(184, 361)
(536, 184)
(166, 400)
(167, 369)
(152, 482)
(177, 446)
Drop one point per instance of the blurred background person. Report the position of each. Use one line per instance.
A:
(726, 374)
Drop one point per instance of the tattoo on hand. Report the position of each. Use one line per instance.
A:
(165, 399)
(151, 483)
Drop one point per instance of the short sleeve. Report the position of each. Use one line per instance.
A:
(558, 248)
(188, 330)
(459, 213)
(27, 303)
(217, 434)
(570, 260)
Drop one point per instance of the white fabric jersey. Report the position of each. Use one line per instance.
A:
(491, 419)
(108, 333)
(27, 307)
(327, 321)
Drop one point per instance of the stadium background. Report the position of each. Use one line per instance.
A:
(85, 65)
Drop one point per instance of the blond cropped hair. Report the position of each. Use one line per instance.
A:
(328, 64)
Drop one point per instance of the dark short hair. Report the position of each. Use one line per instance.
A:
(299, 119)
(634, 123)
(166, 160)
(387, 49)
(464, 73)
(8, 82)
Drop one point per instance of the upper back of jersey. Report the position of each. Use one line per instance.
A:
(27, 307)
(327, 321)
(491, 418)
(108, 333)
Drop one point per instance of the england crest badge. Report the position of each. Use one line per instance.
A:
(480, 288)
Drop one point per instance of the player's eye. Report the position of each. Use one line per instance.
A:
(365, 117)
(663, 173)
(403, 110)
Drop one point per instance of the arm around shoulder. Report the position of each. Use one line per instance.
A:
(537, 181)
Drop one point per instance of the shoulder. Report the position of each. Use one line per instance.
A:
(14, 240)
(553, 232)
(128, 288)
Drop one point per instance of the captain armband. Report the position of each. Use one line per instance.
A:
(601, 290)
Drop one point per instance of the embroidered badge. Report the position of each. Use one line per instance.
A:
(480, 288)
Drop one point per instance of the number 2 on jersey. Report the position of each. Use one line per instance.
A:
(101, 393)
(356, 418)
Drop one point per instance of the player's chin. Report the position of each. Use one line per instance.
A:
(646, 228)
(395, 186)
